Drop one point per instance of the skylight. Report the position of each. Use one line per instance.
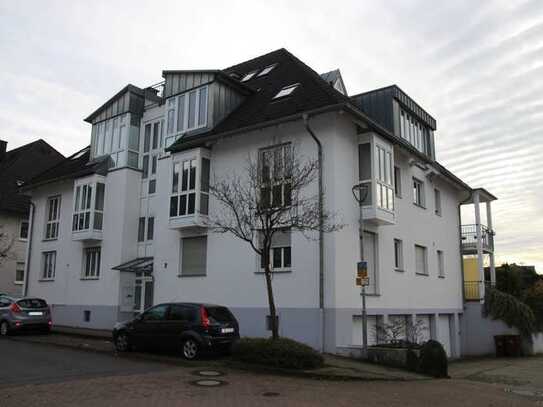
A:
(267, 70)
(248, 76)
(286, 91)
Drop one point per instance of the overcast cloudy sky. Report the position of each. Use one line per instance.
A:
(476, 66)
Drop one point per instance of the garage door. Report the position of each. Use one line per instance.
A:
(444, 333)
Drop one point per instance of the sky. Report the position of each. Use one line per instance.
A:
(476, 66)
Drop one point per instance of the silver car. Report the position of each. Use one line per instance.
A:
(22, 314)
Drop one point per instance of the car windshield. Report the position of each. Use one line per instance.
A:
(218, 314)
(32, 303)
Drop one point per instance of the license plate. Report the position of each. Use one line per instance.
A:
(35, 313)
(227, 330)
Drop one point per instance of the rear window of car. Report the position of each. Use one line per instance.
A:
(219, 314)
(32, 303)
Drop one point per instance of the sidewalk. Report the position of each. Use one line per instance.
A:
(336, 368)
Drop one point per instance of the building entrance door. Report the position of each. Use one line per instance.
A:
(143, 291)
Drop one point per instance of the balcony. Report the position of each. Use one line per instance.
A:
(469, 239)
(472, 290)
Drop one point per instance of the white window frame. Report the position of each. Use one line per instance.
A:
(84, 210)
(182, 101)
(49, 264)
(419, 197)
(440, 263)
(92, 257)
(424, 249)
(384, 178)
(52, 222)
(179, 192)
(398, 255)
(282, 248)
(275, 182)
(19, 266)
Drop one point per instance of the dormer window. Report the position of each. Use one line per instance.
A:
(187, 112)
(286, 91)
(267, 70)
(248, 76)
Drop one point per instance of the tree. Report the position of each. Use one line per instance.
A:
(271, 195)
(6, 243)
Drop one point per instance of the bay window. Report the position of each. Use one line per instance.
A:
(88, 206)
(385, 187)
(190, 187)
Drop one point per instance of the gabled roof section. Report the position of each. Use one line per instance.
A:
(128, 99)
(75, 166)
(335, 80)
(260, 107)
(20, 165)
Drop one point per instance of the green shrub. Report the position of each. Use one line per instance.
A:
(433, 360)
(512, 311)
(280, 353)
(534, 299)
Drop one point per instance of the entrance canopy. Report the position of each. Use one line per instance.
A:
(139, 265)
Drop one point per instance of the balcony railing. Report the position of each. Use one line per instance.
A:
(472, 290)
(469, 238)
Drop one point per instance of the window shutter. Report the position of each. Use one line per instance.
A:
(194, 253)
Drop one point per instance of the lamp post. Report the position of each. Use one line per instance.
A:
(362, 190)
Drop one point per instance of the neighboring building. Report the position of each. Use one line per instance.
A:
(131, 230)
(17, 167)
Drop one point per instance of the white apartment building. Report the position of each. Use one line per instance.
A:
(131, 231)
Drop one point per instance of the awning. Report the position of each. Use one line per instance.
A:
(141, 264)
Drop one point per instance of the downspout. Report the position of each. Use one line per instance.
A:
(28, 247)
(305, 118)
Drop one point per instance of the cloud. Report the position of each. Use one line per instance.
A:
(477, 67)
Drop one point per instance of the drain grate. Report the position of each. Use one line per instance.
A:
(270, 394)
(208, 383)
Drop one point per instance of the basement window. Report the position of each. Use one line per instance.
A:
(286, 91)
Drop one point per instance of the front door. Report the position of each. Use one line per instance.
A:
(143, 292)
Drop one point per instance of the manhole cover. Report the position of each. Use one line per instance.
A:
(270, 394)
(208, 383)
(208, 373)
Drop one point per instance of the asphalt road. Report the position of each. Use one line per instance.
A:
(26, 363)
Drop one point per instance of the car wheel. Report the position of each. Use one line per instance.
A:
(4, 328)
(121, 342)
(190, 349)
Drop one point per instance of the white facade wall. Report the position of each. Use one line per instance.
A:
(232, 277)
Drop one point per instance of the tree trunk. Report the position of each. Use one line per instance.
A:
(271, 302)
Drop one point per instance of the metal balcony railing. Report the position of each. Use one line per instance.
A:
(472, 290)
(469, 238)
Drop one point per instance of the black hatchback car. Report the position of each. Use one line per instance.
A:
(188, 327)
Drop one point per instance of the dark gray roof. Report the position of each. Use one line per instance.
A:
(18, 167)
(75, 166)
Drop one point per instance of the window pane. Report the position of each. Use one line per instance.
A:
(202, 113)
(152, 186)
(192, 182)
(192, 109)
(150, 228)
(98, 220)
(147, 138)
(156, 135)
(205, 175)
(192, 198)
(185, 176)
(175, 179)
(182, 205)
(145, 166)
(141, 229)
(170, 120)
(153, 164)
(286, 257)
(100, 191)
(181, 113)
(173, 206)
(204, 203)
(276, 253)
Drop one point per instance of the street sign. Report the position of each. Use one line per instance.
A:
(362, 278)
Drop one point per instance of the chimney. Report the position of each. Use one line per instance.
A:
(3, 148)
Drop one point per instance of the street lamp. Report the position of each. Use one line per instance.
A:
(360, 193)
